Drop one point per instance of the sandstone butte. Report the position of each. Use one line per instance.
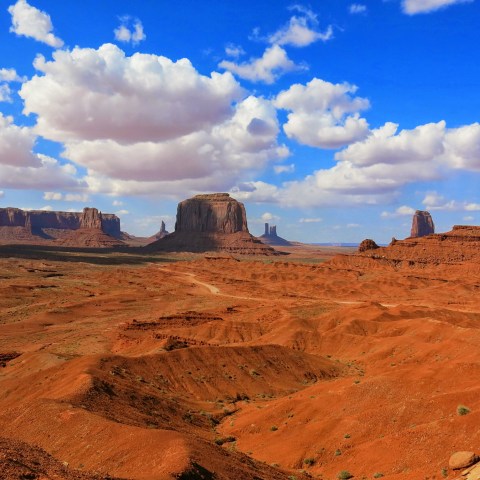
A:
(212, 222)
(422, 224)
(89, 228)
(270, 237)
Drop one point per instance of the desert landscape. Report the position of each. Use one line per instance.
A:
(307, 362)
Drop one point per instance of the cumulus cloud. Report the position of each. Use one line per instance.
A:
(10, 75)
(301, 31)
(284, 168)
(268, 68)
(48, 174)
(103, 94)
(2, 194)
(356, 8)
(16, 144)
(435, 201)
(323, 114)
(30, 22)
(117, 203)
(404, 210)
(268, 217)
(130, 30)
(5, 93)
(67, 197)
(413, 7)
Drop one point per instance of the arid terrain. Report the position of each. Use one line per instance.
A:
(158, 366)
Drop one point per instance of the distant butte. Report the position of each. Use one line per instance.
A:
(270, 237)
(90, 228)
(212, 222)
(422, 224)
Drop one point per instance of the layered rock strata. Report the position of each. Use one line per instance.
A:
(212, 222)
(40, 227)
(422, 224)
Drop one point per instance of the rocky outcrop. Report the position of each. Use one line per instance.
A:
(460, 460)
(422, 224)
(270, 237)
(212, 222)
(367, 244)
(40, 226)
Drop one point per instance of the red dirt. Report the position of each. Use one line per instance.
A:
(227, 369)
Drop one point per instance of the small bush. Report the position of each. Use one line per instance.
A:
(378, 475)
(344, 475)
(347, 435)
(463, 410)
(273, 428)
(444, 472)
(337, 453)
(309, 461)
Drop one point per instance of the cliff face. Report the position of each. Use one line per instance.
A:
(213, 222)
(39, 226)
(214, 213)
(422, 224)
(40, 219)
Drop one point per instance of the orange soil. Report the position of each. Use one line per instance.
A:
(228, 369)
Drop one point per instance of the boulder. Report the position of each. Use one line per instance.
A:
(367, 244)
(460, 460)
(212, 222)
(422, 224)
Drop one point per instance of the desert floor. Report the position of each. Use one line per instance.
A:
(155, 367)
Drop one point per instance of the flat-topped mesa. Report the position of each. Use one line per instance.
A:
(422, 224)
(42, 226)
(214, 213)
(212, 222)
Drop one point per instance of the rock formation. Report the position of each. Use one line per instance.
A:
(270, 237)
(40, 227)
(160, 234)
(212, 222)
(454, 248)
(367, 244)
(422, 224)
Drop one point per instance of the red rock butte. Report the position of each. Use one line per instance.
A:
(212, 222)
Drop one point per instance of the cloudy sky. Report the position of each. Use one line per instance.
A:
(333, 119)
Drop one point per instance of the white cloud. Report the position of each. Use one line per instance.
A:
(234, 51)
(284, 168)
(353, 225)
(52, 196)
(10, 75)
(412, 7)
(33, 23)
(47, 175)
(385, 146)
(310, 220)
(117, 203)
(268, 217)
(468, 218)
(16, 144)
(47, 208)
(5, 93)
(300, 32)
(323, 114)
(404, 210)
(434, 201)
(130, 30)
(273, 64)
(68, 197)
(122, 212)
(462, 147)
(356, 8)
(88, 94)
(2, 194)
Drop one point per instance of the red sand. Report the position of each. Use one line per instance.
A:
(256, 368)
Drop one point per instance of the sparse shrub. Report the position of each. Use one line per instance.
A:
(346, 435)
(463, 410)
(273, 428)
(309, 461)
(337, 453)
(378, 475)
(344, 475)
(444, 472)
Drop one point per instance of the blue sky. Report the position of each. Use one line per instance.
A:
(333, 119)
